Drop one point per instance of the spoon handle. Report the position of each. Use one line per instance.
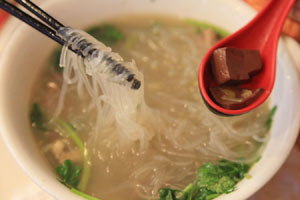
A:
(265, 28)
(271, 22)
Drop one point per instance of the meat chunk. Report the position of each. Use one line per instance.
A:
(233, 65)
(231, 97)
(63, 151)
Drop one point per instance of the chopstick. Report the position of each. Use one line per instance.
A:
(13, 10)
(49, 27)
(41, 27)
(37, 11)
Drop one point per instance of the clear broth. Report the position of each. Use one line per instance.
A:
(167, 50)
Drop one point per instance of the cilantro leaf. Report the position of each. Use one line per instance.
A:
(108, 34)
(200, 26)
(69, 175)
(86, 168)
(168, 194)
(212, 181)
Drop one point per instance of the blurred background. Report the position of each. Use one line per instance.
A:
(285, 185)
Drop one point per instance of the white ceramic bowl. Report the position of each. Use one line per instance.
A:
(24, 49)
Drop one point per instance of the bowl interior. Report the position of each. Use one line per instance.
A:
(26, 50)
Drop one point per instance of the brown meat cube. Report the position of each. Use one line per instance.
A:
(235, 65)
(231, 97)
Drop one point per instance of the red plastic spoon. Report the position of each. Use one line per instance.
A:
(262, 34)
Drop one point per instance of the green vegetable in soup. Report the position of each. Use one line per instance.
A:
(203, 25)
(168, 194)
(212, 181)
(69, 174)
(108, 34)
(75, 177)
(70, 131)
(270, 117)
(37, 117)
(79, 193)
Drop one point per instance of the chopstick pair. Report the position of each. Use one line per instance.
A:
(53, 24)
(50, 26)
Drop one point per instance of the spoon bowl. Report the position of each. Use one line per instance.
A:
(262, 34)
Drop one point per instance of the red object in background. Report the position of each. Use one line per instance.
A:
(3, 18)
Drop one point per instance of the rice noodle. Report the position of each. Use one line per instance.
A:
(120, 102)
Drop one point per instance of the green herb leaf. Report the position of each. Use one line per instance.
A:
(188, 191)
(108, 34)
(74, 178)
(168, 194)
(203, 25)
(64, 170)
(71, 132)
(270, 117)
(212, 181)
(37, 117)
(69, 175)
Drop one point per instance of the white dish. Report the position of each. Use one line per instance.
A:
(26, 50)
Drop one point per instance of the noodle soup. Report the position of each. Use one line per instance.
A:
(156, 137)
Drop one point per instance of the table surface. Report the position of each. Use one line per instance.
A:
(285, 185)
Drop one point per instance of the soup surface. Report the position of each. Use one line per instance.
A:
(176, 133)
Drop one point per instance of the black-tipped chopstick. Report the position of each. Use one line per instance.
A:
(50, 30)
(37, 11)
(13, 10)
